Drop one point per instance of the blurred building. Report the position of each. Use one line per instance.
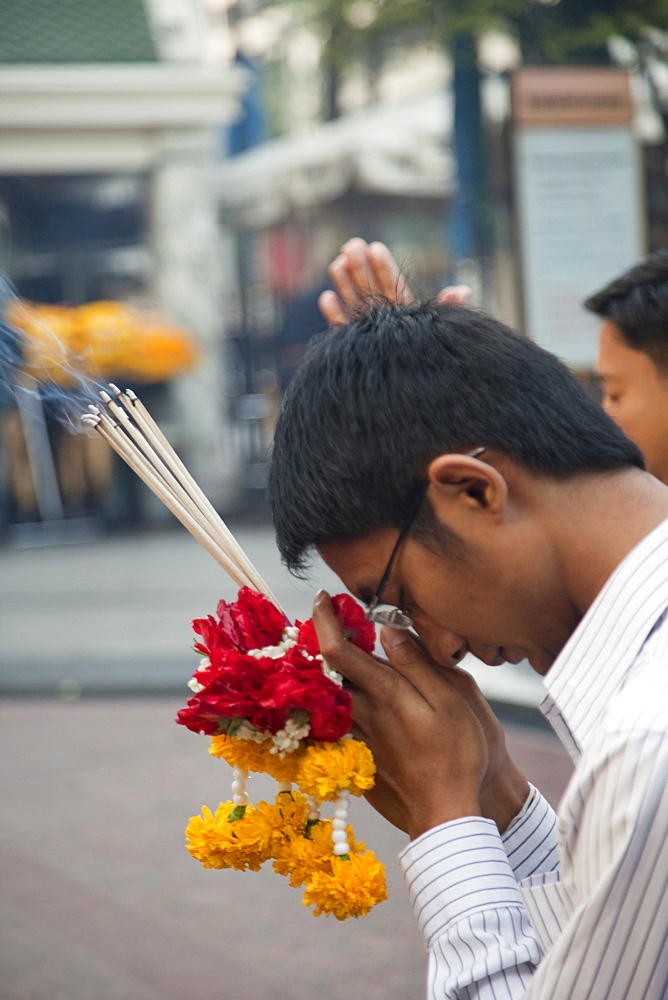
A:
(385, 166)
(203, 158)
(297, 182)
(110, 128)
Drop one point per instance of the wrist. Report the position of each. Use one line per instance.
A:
(427, 819)
(511, 793)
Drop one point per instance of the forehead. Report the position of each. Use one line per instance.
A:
(619, 362)
(360, 562)
(614, 355)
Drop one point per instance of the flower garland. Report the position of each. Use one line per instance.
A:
(271, 704)
(104, 339)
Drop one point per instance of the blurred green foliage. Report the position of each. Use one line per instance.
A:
(566, 31)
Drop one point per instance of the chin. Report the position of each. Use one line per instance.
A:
(541, 662)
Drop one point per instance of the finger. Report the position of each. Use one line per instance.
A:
(331, 307)
(410, 660)
(454, 295)
(360, 269)
(346, 658)
(344, 283)
(354, 243)
(387, 276)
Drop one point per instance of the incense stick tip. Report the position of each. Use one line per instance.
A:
(114, 389)
(105, 396)
(131, 395)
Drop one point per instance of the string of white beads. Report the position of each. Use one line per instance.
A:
(340, 822)
(239, 782)
(313, 811)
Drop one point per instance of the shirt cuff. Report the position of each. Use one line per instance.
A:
(530, 842)
(455, 870)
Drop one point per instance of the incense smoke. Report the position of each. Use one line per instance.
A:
(64, 397)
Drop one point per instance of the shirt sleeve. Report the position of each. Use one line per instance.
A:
(470, 911)
(530, 842)
(610, 934)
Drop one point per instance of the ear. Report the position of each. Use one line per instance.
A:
(461, 485)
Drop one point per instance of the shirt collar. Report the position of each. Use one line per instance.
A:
(604, 646)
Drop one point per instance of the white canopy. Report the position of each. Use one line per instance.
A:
(393, 149)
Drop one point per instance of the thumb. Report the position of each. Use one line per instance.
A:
(403, 651)
(409, 659)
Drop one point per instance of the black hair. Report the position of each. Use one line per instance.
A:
(377, 399)
(637, 303)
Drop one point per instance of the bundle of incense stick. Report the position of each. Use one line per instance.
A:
(125, 423)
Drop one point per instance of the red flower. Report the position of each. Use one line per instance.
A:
(212, 633)
(353, 621)
(251, 622)
(355, 625)
(306, 637)
(253, 619)
(234, 687)
(265, 692)
(303, 685)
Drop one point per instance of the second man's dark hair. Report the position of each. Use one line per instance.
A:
(637, 303)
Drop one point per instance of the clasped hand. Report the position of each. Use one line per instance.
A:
(440, 752)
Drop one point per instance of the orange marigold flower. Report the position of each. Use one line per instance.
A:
(350, 889)
(219, 841)
(324, 768)
(299, 857)
(251, 756)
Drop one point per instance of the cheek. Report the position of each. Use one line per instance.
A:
(461, 610)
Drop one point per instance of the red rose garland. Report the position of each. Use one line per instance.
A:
(270, 703)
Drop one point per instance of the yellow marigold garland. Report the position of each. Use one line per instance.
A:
(324, 768)
(232, 837)
(355, 884)
(299, 857)
(244, 837)
(251, 756)
(320, 769)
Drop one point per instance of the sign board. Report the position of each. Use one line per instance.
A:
(580, 208)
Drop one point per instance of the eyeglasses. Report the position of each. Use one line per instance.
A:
(385, 614)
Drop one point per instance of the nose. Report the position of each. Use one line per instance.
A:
(444, 646)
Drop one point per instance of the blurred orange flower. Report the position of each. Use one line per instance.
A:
(101, 339)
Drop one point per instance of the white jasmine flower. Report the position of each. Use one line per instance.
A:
(288, 640)
(247, 731)
(193, 683)
(331, 673)
(296, 729)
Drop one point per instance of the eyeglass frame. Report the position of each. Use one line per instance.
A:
(395, 617)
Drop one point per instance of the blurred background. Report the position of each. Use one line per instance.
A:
(175, 177)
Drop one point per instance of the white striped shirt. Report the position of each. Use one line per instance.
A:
(572, 906)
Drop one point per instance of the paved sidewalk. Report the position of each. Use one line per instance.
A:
(100, 901)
